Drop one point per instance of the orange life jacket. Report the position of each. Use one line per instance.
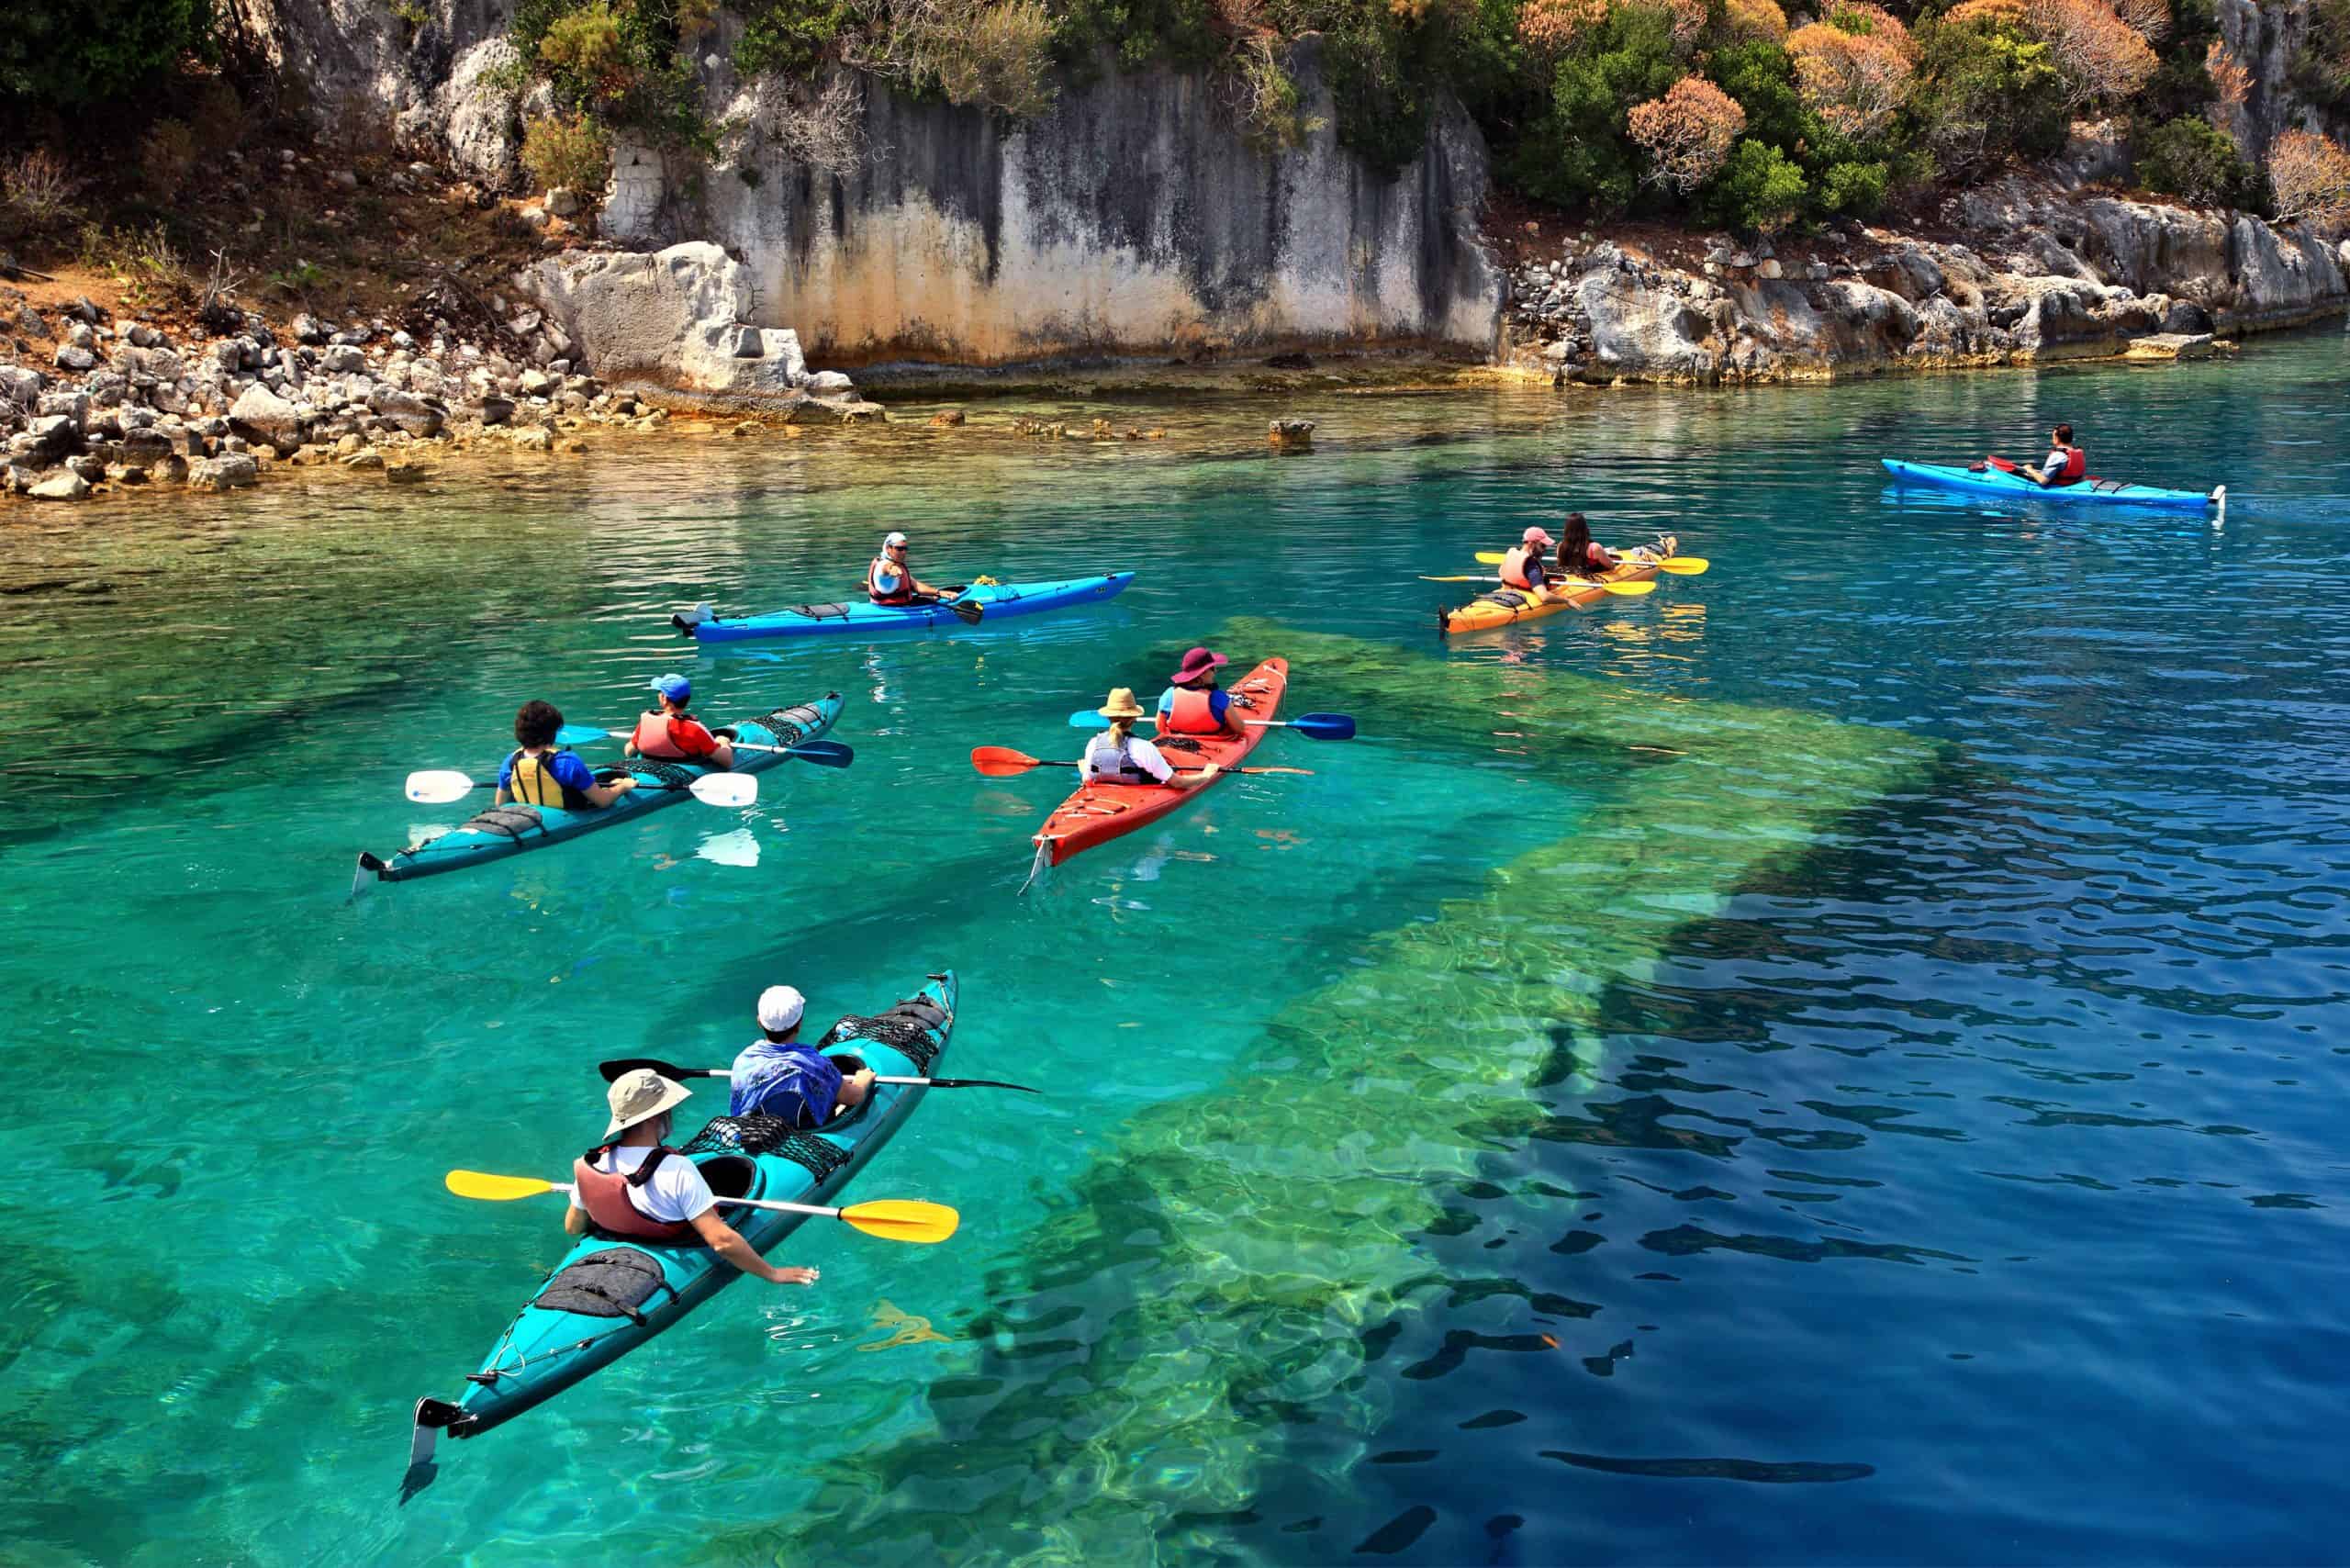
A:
(1514, 564)
(902, 594)
(681, 739)
(1191, 714)
(605, 1195)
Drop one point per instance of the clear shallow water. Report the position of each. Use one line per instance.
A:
(1836, 1059)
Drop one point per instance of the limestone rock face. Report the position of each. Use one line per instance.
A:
(483, 128)
(675, 316)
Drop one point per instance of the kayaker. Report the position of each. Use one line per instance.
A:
(634, 1185)
(1118, 756)
(777, 1076)
(1194, 704)
(1582, 555)
(539, 773)
(668, 731)
(1522, 565)
(2064, 465)
(891, 579)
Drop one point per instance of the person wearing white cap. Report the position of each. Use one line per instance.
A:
(777, 1076)
(635, 1186)
(668, 731)
(891, 579)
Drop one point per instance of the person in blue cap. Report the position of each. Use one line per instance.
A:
(668, 733)
(777, 1076)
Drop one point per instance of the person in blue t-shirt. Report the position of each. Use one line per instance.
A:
(539, 773)
(777, 1076)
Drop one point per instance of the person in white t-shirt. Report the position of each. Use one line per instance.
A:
(635, 1187)
(1118, 756)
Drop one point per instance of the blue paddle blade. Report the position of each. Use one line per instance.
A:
(824, 753)
(1325, 726)
(1087, 719)
(579, 734)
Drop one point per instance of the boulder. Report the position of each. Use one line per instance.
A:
(228, 354)
(343, 359)
(2187, 317)
(54, 433)
(70, 402)
(535, 383)
(61, 487)
(308, 328)
(562, 202)
(947, 418)
(828, 384)
(405, 472)
(262, 415)
(2170, 345)
(74, 358)
(224, 473)
(497, 410)
(1290, 435)
(20, 385)
(535, 438)
(88, 465)
(671, 316)
(407, 411)
(364, 460)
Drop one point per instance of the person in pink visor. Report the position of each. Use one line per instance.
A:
(1522, 566)
(1194, 704)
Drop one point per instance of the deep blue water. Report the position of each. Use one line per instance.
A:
(1964, 1184)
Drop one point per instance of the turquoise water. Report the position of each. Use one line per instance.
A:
(1859, 1024)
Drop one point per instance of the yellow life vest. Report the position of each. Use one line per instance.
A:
(533, 782)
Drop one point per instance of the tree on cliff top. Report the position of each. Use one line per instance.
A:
(1687, 133)
(69, 53)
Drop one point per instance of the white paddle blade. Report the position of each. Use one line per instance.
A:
(438, 787)
(725, 789)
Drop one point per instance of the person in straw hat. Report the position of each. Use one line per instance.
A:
(1118, 756)
(635, 1187)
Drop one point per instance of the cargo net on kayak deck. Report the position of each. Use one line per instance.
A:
(792, 723)
(911, 1027)
(669, 775)
(507, 822)
(768, 1134)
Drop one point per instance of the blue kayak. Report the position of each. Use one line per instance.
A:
(510, 829)
(1989, 481)
(991, 602)
(608, 1296)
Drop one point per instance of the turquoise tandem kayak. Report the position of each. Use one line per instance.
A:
(506, 829)
(991, 601)
(1990, 481)
(608, 1296)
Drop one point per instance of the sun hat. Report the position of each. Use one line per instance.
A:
(639, 1096)
(893, 541)
(675, 687)
(1197, 663)
(780, 1007)
(1536, 536)
(1122, 704)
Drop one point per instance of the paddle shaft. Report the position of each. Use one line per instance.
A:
(779, 1207)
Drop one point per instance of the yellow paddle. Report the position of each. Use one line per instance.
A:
(893, 1219)
(1679, 566)
(1621, 590)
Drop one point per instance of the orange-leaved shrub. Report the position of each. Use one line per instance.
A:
(2230, 81)
(2149, 19)
(1686, 133)
(1760, 19)
(1854, 68)
(1551, 27)
(2100, 55)
(2311, 176)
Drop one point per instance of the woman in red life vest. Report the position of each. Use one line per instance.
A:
(1522, 565)
(1194, 704)
(634, 1185)
(1582, 556)
(667, 732)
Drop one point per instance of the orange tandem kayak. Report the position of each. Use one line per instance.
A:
(1504, 605)
(1097, 813)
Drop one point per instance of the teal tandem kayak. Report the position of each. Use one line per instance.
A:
(991, 601)
(608, 1296)
(501, 831)
(1989, 481)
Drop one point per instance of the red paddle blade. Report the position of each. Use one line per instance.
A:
(1002, 761)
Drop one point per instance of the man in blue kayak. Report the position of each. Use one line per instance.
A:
(2064, 465)
(891, 579)
(539, 773)
(777, 1076)
(634, 1185)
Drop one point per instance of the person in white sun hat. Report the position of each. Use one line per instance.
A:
(891, 579)
(635, 1187)
(777, 1076)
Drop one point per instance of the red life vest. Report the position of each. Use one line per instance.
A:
(681, 739)
(2076, 466)
(1595, 559)
(605, 1195)
(902, 594)
(1514, 564)
(1191, 714)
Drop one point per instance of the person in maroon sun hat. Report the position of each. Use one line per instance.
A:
(1194, 704)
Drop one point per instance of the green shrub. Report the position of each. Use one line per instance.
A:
(789, 37)
(1989, 91)
(2320, 70)
(1577, 154)
(1762, 77)
(67, 54)
(1135, 33)
(1759, 191)
(1854, 190)
(2192, 159)
(572, 151)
